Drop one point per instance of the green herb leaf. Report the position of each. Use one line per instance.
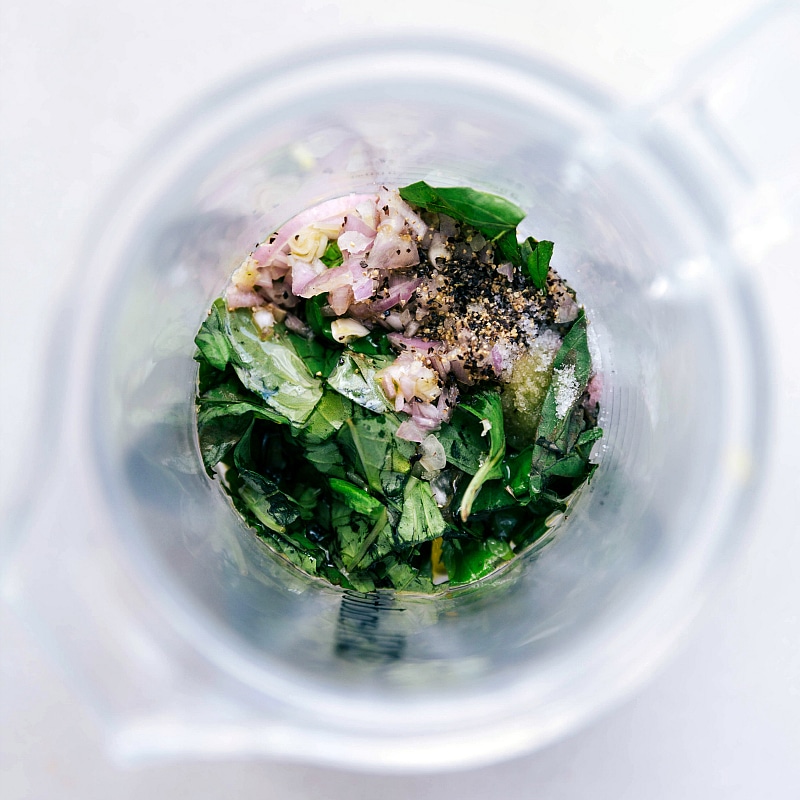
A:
(327, 418)
(536, 258)
(354, 497)
(464, 445)
(357, 534)
(508, 248)
(320, 324)
(561, 422)
(516, 471)
(421, 519)
(332, 257)
(271, 368)
(209, 376)
(218, 435)
(490, 214)
(229, 399)
(485, 406)
(212, 340)
(327, 458)
(468, 560)
(319, 359)
(365, 439)
(354, 377)
(374, 343)
(493, 496)
(272, 507)
(406, 578)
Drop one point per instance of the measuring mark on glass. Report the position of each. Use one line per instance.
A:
(362, 634)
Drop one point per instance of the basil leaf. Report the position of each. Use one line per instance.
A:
(508, 248)
(493, 496)
(212, 340)
(228, 399)
(209, 376)
(536, 258)
(485, 406)
(271, 369)
(374, 343)
(516, 471)
(588, 438)
(490, 214)
(354, 377)
(327, 458)
(406, 578)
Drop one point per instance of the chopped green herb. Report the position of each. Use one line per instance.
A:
(401, 457)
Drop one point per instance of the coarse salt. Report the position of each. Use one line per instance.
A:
(566, 389)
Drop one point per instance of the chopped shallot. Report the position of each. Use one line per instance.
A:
(324, 211)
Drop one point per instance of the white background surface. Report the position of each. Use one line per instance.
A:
(82, 86)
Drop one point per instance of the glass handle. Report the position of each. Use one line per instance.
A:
(738, 105)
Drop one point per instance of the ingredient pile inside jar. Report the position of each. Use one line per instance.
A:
(396, 391)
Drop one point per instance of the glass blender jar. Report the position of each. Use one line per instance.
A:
(186, 635)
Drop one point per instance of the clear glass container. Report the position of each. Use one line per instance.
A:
(185, 634)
